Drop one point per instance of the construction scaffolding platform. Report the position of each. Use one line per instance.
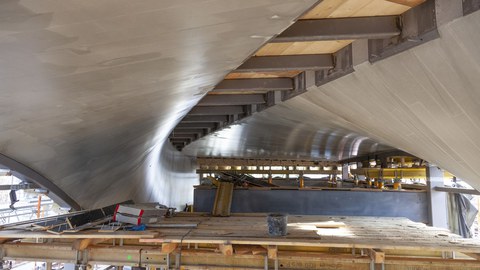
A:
(241, 241)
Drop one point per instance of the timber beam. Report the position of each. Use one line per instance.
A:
(286, 63)
(225, 258)
(341, 29)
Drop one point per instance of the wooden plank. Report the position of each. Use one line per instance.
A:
(223, 199)
(169, 247)
(226, 250)
(360, 8)
(20, 234)
(410, 3)
(173, 225)
(82, 244)
(380, 8)
(324, 9)
(302, 48)
(249, 249)
(304, 231)
(59, 229)
(476, 256)
(242, 249)
(272, 252)
(88, 225)
(377, 255)
(349, 8)
(323, 231)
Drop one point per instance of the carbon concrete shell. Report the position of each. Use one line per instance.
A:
(90, 90)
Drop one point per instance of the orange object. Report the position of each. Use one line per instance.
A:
(39, 204)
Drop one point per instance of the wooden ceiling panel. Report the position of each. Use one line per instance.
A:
(360, 8)
(298, 48)
(259, 75)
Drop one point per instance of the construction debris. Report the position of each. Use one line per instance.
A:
(137, 214)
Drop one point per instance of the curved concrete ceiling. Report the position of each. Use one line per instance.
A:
(90, 89)
(295, 129)
(425, 101)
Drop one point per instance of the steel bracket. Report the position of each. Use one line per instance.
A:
(343, 65)
(418, 25)
(470, 6)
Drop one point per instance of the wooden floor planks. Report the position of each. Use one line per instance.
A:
(360, 232)
(310, 231)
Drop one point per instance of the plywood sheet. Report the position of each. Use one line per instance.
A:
(360, 8)
(259, 75)
(298, 48)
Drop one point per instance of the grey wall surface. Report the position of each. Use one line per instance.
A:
(425, 101)
(412, 205)
(91, 89)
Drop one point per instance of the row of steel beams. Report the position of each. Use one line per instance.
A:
(341, 29)
(287, 62)
(234, 99)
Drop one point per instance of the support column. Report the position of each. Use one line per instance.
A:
(437, 210)
(48, 266)
(345, 171)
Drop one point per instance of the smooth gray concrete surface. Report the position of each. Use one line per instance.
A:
(91, 89)
(412, 205)
(438, 205)
(425, 101)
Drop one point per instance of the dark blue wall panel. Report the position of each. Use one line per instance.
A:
(412, 205)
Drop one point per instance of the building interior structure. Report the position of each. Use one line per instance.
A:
(358, 120)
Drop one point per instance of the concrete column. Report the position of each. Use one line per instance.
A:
(48, 266)
(438, 212)
(344, 171)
